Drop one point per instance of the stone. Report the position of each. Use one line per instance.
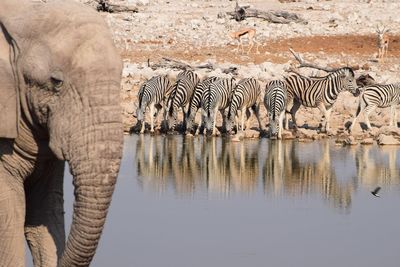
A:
(366, 66)
(367, 141)
(128, 107)
(305, 133)
(350, 141)
(387, 140)
(220, 20)
(389, 130)
(139, 2)
(287, 135)
(251, 134)
(236, 138)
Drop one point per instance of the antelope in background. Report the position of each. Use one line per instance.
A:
(382, 42)
(250, 33)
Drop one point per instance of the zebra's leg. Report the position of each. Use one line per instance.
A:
(392, 110)
(287, 112)
(367, 111)
(200, 124)
(248, 115)
(152, 113)
(280, 125)
(327, 119)
(159, 109)
(143, 126)
(243, 112)
(324, 122)
(256, 109)
(361, 106)
(295, 108)
(224, 115)
(214, 121)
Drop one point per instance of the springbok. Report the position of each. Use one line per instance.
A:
(250, 33)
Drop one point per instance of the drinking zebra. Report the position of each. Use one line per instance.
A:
(217, 98)
(196, 101)
(275, 100)
(180, 97)
(245, 97)
(378, 96)
(153, 94)
(318, 92)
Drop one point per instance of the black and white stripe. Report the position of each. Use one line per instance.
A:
(217, 98)
(181, 94)
(318, 92)
(245, 97)
(275, 100)
(196, 102)
(152, 94)
(378, 96)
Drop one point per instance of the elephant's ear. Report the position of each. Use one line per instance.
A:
(9, 99)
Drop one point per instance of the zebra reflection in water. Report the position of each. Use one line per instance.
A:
(189, 165)
(286, 171)
(218, 167)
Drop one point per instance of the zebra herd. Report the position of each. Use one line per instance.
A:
(228, 97)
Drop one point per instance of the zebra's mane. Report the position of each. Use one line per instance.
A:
(332, 74)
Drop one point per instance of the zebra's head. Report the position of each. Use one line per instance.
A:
(172, 117)
(348, 79)
(189, 123)
(140, 113)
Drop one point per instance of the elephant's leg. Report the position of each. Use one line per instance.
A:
(44, 224)
(12, 216)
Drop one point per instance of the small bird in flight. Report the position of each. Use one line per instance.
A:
(375, 192)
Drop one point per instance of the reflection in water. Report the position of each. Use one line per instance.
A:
(287, 171)
(219, 167)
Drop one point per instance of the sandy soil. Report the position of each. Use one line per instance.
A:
(361, 46)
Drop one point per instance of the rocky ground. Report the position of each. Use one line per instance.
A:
(337, 33)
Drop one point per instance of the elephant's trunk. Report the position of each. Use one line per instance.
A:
(94, 156)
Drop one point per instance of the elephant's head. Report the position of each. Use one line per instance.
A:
(60, 75)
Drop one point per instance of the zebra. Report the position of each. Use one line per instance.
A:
(180, 97)
(195, 102)
(318, 92)
(275, 100)
(217, 98)
(245, 97)
(378, 96)
(153, 94)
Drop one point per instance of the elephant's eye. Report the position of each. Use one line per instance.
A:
(57, 80)
(57, 83)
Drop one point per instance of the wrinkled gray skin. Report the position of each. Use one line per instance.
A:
(59, 101)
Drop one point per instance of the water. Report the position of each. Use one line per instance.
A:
(211, 202)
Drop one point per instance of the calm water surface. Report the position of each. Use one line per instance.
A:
(183, 202)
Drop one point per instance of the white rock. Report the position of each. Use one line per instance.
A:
(139, 2)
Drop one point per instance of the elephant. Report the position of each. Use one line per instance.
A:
(60, 75)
